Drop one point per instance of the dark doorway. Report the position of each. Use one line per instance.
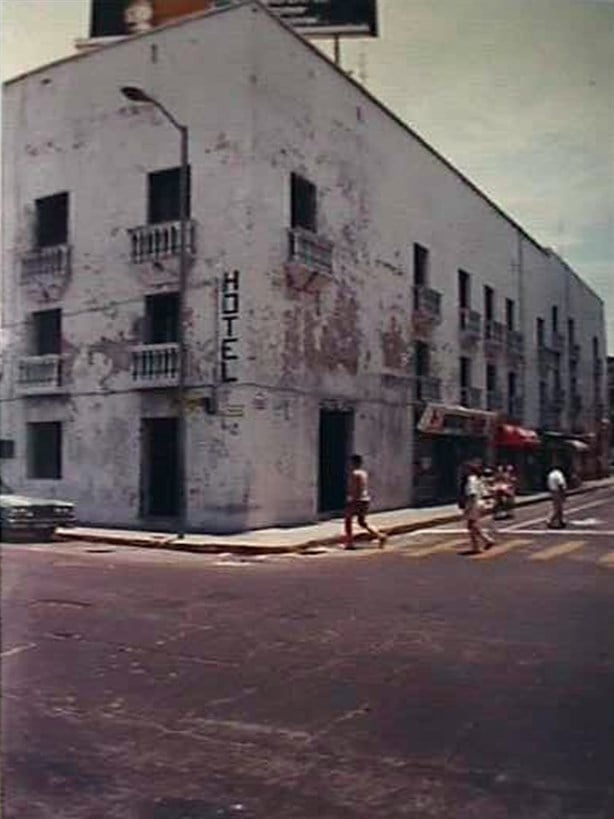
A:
(335, 441)
(160, 468)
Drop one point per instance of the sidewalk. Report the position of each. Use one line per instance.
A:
(294, 539)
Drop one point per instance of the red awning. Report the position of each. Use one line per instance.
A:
(512, 436)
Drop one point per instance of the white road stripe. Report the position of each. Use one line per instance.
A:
(568, 512)
(557, 551)
(17, 650)
(497, 550)
(607, 559)
(426, 551)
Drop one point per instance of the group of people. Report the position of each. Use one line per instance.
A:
(477, 486)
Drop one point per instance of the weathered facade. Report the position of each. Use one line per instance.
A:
(344, 279)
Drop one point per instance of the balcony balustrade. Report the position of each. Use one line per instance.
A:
(470, 325)
(557, 342)
(494, 335)
(515, 408)
(152, 243)
(494, 400)
(155, 365)
(471, 397)
(53, 261)
(558, 397)
(310, 250)
(40, 374)
(427, 305)
(428, 388)
(574, 352)
(577, 403)
(514, 343)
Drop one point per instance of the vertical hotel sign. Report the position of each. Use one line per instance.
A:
(229, 316)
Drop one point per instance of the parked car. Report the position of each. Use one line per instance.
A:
(23, 515)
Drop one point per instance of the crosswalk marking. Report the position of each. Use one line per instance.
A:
(497, 551)
(444, 546)
(556, 551)
(607, 559)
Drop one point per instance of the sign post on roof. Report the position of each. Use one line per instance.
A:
(328, 18)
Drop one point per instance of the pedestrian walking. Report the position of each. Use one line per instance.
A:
(474, 492)
(557, 486)
(358, 503)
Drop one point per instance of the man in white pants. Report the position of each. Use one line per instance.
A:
(557, 486)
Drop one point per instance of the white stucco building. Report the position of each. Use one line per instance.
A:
(345, 284)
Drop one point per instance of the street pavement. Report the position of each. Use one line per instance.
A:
(415, 681)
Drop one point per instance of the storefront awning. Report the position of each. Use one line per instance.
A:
(517, 437)
(440, 419)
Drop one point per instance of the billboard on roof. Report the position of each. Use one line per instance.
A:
(314, 18)
(328, 18)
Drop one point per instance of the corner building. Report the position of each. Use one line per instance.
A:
(347, 290)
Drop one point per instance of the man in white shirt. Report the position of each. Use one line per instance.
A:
(358, 503)
(557, 486)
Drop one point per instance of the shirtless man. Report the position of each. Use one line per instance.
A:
(358, 503)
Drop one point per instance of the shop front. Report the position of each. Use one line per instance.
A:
(446, 437)
(574, 455)
(520, 447)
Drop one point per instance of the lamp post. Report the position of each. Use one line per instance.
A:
(135, 94)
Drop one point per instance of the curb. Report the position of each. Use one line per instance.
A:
(172, 543)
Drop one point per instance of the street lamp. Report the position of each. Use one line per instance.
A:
(135, 94)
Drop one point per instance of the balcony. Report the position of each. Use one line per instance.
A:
(494, 335)
(427, 305)
(558, 398)
(153, 243)
(574, 353)
(310, 259)
(546, 359)
(515, 408)
(428, 388)
(494, 400)
(155, 365)
(557, 342)
(50, 262)
(40, 374)
(577, 403)
(514, 343)
(471, 397)
(470, 325)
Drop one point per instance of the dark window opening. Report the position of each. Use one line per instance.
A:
(45, 450)
(465, 372)
(52, 220)
(163, 200)
(510, 314)
(7, 448)
(464, 289)
(162, 318)
(491, 377)
(555, 319)
(107, 18)
(303, 204)
(421, 359)
(489, 303)
(421, 257)
(539, 325)
(571, 331)
(47, 332)
(512, 380)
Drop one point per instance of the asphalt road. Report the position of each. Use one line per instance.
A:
(414, 682)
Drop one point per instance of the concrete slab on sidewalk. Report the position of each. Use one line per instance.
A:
(292, 539)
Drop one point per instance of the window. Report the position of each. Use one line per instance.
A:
(52, 220)
(465, 372)
(7, 448)
(489, 303)
(421, 359)
(539, 326)
(512, 382)
(421, 257)
(571, 331)
(161, 318)
(163, 201)
(510, 314)
(555, 319)
(464, 289)
(45, 450)
(303, 204)
(491, 378)
(47, 332)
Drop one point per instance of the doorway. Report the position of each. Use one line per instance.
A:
(159, 477)
(336, 427)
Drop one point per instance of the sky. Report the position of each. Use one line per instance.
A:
(516, 94)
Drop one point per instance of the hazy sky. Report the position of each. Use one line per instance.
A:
(517, 94)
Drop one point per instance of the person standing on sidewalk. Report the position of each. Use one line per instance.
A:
(358, 503)
(557, 486)
(474, 491)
